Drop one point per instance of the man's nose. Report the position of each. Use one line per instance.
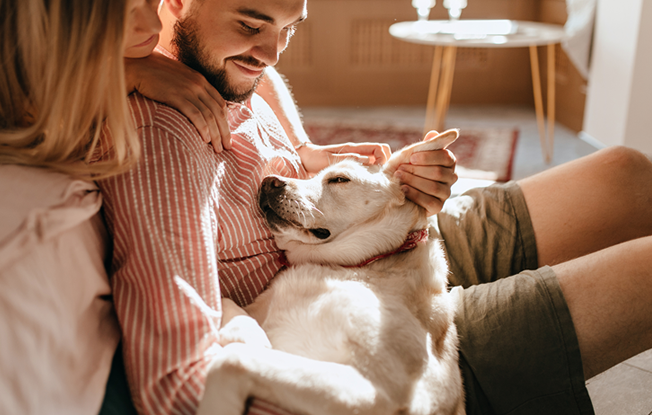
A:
(269, 49)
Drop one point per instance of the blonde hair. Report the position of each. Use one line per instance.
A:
(62, 84)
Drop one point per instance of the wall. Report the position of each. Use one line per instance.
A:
(343, 55)
(619, 95)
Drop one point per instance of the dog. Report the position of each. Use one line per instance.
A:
(361, 322)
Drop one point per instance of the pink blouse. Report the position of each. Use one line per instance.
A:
(58, 330)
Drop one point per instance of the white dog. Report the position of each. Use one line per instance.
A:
(361, 322)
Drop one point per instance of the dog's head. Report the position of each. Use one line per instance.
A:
(346, 213)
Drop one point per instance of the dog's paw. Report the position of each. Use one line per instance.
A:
(243, 329)
(226, 388)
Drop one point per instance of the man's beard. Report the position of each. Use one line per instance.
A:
(190, 53)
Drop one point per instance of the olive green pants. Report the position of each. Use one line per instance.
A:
(518, 348)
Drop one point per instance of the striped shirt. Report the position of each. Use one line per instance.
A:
(186, 214)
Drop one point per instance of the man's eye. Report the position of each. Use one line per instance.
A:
(249, 29)
(290, 30)
(338, 179)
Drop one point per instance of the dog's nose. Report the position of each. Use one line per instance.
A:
(271, 188)
(270, 183)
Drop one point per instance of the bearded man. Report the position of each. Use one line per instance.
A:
(557, 265)
(186, 212)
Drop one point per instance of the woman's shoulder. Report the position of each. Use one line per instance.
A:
(39, 203)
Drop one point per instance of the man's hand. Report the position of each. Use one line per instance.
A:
(173, 83)
(239, 327)
(428, 178)
(315, 157)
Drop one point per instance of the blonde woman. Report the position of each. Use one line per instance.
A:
(62, 82)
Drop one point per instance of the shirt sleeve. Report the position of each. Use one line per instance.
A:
(164, 225)
(163, 215)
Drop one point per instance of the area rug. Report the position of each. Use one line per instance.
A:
(486, 154)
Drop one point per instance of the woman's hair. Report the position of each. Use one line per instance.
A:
(62, 84)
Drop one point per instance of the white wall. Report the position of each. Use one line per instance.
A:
(619, 96)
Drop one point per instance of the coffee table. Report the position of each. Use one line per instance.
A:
(447, 35)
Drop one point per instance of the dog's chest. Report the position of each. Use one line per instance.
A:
(330, 314)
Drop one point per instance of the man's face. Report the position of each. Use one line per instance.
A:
(231, 42)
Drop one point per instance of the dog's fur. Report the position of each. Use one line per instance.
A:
(377, 339)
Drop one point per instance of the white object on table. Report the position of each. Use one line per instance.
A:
(423, 8)
(455, 8)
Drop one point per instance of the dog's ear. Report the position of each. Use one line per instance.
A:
(432, 141)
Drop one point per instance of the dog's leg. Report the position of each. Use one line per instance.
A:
(292, 382)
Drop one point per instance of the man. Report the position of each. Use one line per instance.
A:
(186, 212)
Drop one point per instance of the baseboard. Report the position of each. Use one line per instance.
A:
(589, 139)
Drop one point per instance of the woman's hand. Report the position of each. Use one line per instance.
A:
(173, 83)
(239, 327)
(315, 157)
(428, 178)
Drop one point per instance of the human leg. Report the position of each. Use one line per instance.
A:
(487, 234)
(609, 295)
(589, 204)
(519, 353)
(586, 217)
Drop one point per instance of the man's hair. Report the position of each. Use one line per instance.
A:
(61, 83)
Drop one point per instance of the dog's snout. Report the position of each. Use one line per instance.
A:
(271, 188)
(272, 183)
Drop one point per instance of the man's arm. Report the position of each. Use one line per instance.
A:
(428, 178)
(275, 91)
(163, 215)
(162, 224)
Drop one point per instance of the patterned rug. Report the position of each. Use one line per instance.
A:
(485, 154)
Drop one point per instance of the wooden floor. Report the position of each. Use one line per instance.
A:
(625, 389)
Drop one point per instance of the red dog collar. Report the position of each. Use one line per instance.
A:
(411, 242)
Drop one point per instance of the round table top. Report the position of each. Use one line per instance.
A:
(479, 33)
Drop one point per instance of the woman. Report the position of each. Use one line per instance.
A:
(62, 82)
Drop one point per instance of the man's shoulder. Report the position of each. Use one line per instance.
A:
(148, 114)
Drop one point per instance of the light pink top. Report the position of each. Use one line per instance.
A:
(58, 331)
(186, 212)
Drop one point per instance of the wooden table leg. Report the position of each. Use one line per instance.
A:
(432, 91)
(444, 96)
(538, 100)
(551, 102)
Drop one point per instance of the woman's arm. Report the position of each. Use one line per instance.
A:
(186, 90)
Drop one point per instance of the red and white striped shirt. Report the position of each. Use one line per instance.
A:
(185, 212)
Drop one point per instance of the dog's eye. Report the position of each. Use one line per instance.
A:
(320, 233)
(338, 179)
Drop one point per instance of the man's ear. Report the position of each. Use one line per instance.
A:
(432, 141)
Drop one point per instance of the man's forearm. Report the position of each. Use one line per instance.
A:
(274, 90)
